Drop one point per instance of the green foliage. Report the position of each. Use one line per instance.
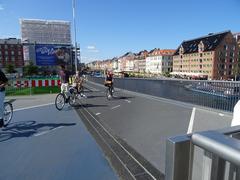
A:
(10, 68)
(30, 69)
(166, 74)
(236, 70)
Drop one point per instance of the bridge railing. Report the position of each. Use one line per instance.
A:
(214, 94)
(219, 160)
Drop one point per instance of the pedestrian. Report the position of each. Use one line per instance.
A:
(3, 83)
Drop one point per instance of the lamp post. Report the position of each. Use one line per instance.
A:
(75, 36)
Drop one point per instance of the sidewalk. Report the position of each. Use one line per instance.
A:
(20, 102)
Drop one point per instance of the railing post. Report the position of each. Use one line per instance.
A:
(213, 167)
(178, 158)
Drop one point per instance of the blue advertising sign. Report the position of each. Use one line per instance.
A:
(51, 55)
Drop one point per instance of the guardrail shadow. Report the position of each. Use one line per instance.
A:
(28, 129)
(122, 97)
(92, 97)
(89, 105)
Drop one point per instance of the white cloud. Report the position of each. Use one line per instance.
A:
(91, 47)
(1, 7)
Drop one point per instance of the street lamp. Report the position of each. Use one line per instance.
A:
(75, 36)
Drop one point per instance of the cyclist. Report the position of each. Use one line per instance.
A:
(3, 82)
(78, 83)
(109, 81)
(64, 77)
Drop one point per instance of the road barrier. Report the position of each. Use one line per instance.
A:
(32, 86)
(35, 83)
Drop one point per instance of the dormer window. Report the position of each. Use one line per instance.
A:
(200, 47)
(181, 50)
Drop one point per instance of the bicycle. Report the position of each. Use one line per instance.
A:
(109, 91)
(62, 98)
(7, 113)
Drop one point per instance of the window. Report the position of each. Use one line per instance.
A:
(6, 46)
(225, 47)
(6, 52)
(12, 52)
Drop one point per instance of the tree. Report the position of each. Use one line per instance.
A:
(236, 70)
(10, 68)
(30, 69)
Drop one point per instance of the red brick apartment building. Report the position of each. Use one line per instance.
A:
(11, 52)
(214, 55)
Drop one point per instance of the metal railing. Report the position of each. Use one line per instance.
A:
(220, 157)
(214, 94)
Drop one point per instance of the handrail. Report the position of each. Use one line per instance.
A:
(224, 146)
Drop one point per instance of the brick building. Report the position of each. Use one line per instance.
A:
(11, 52)
(214, 56)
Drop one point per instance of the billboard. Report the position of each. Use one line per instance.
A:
(52, 55)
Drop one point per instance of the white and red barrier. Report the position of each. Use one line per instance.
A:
(36, 83)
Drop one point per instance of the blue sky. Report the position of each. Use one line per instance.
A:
(108, 28)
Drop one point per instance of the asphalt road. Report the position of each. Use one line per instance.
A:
(43, 143)
(145, 122)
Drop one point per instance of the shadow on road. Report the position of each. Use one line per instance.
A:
(91, 97)
(123, 97)
(89, 105)
(28, 129)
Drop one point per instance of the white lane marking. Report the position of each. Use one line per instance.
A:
(31, 107)
(191, 122)
(115, 107)
(98, 114)
(45, 132)
(128, 101)
(221, 114)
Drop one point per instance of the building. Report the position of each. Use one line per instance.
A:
(167, 60)
(11, 52)
(47, 43)
(45, 31)
(125, 62)
(159, 61)
(140, 61)
(214, 55)
(153, 64)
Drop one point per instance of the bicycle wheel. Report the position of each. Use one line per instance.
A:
(8, 113)
(72, 100)
(60, 101)
(108, 94)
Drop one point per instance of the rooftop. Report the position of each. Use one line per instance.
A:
(210, 41)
